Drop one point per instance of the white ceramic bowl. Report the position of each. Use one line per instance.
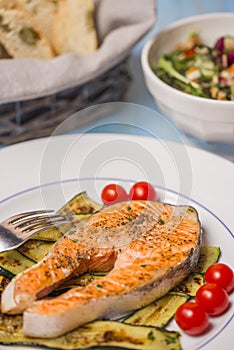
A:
(207, 119)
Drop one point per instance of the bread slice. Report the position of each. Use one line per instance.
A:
(21, 38)
(42, 12)
(74, 27)
(3, 52)
(7, 4)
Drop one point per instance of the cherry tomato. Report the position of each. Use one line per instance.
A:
(113, 193)
(222, 275)
(212, 298)
(192, 318)
(143, 191)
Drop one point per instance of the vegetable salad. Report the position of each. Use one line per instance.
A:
(200, 70)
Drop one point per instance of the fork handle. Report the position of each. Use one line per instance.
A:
(7, 242)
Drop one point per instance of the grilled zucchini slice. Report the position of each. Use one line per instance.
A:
(56, 232)
(160, 312)
(99, 334)
(209, 255)
(81, 204)
(35, 249)
(13, 262)
(191, 284)
(53, 233)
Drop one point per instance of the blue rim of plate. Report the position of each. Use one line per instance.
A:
(110, 179)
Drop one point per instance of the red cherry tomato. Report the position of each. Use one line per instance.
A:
(222, 275)
(143, 191)
(212, 298)
(192, 318)
(113, 193)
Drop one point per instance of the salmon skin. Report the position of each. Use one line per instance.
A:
(147, 246)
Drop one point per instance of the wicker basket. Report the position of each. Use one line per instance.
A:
(24, 120)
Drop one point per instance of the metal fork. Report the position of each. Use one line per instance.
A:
(17, 229)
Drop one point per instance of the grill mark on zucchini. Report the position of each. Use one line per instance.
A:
(209, 255)
(81, 204)
(13, 262)
(53, 233)
(160, 312)
(98, 334)
(191, 284)
(35, 250)
(3, 282)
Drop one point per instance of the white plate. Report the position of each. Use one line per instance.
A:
(206, 178)
(55, 195)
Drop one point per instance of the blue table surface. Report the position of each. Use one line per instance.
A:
(144, 122)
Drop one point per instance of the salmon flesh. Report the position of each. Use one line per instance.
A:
(148, 248)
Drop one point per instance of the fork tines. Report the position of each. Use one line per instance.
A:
(32, 220)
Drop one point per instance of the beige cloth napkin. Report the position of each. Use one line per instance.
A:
(120, 25)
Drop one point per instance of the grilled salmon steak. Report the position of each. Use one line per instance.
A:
(147, 246)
